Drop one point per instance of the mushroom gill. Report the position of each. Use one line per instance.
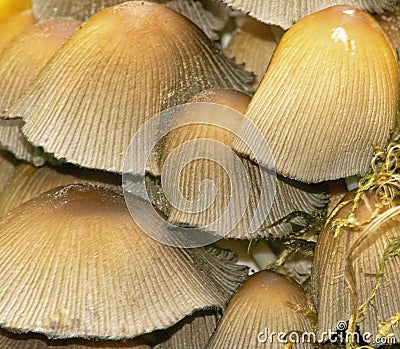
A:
(244, 201)
(330, 94)
(285, 13)
(357, 267)
(265, 303)
(20, 63)
(124, 65)
(73, 263)
(11, 340)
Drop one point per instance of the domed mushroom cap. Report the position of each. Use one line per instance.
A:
(20, 63)
(245, 201)
(14, 26)
(347, 267)
(75, 264)
(125, 64)
(285, 13)
(7, 168)
(330, 94)
(266, 300)
(33, 341)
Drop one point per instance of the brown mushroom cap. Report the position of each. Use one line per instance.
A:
(330, 93)
(285, 13)
(73, 263)
(346, 268)
(266, 300)
(124, 65)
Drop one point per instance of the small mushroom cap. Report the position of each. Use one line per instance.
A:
(123, 66)
(34, 341)
(285, 13)
(266, 300)
(330, 93)
(75, 264)
(346, 267)
(14, 26)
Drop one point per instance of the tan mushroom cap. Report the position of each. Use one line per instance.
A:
(330, 94)
(253, 44)
(266, 300)
(74, 264)
(14, 26)
(28, 182)
(7, 168)
(124, 65)
(20, 63)
(33, 341)
(285, 13)
(181, 181)
(346, 267)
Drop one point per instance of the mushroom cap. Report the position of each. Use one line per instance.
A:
(14, 26)
(285, 13)
(330, 94)
(20, 63)
(266, 300)
(26, 55)
(75, 264)
(349, 265)
(11, 340)
(124, 65)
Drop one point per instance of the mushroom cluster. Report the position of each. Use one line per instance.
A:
(199, 174)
